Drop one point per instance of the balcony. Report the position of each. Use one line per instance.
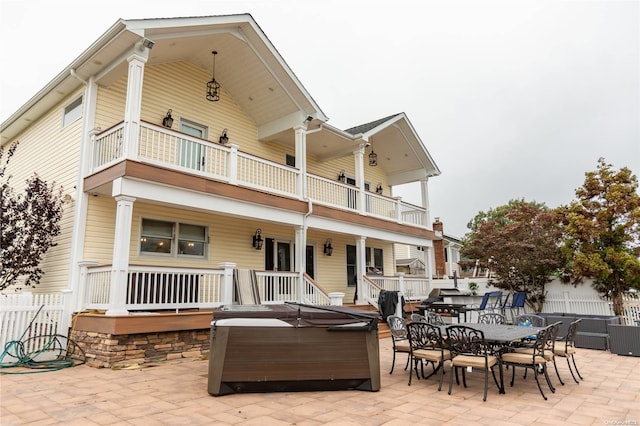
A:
(225, 163)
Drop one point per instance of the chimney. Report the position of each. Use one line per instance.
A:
(438, 248)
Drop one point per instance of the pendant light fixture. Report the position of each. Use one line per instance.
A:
(213, 87)
(373, 157)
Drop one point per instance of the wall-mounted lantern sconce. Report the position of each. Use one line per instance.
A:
(224, 138)
(379, 189)
(167, 121)
(342, 177)
(257, 239)
(328, 248)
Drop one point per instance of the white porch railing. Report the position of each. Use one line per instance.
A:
(154, 288)
(370, 291)
(17, 311)
(313, 294)
(168, 148)
(412, 288)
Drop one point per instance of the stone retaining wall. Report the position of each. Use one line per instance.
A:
(108, 350)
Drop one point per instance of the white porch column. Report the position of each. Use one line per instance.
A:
(120, 263)
(428, 262)
(300, 261)
(133, 102)
(301, 159)
(402, 291)
(76, 286)
(358, 156)
(226, 286)
(361, 268)
(424, 191)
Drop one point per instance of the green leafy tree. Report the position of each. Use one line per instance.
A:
(602, 233)
(30, 222)
(519, 243)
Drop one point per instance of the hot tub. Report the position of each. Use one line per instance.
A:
(292, 347)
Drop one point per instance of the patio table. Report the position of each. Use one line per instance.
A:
(501, 333)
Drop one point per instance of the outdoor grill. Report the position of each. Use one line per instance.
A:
(435, 303)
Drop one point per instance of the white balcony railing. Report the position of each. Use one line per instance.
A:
(168, 148)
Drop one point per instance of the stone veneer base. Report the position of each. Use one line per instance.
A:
(124, 341)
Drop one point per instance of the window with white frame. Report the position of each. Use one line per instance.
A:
(172, 238)
(72, 112)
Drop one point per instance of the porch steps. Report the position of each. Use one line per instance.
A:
(383, 327)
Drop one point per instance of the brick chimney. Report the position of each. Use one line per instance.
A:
(438, 248)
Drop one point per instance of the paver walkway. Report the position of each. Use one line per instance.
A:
(175, 393)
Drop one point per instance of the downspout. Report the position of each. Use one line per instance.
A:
(303, 249)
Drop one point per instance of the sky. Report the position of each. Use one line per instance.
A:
(512, 99)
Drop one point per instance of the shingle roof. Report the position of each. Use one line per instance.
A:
(363, 128)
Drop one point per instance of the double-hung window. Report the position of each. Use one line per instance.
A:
(172, 238)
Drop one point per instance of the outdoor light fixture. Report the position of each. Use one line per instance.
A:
(342, 177)
(167, 121)
(257, 239)
(148, 43)
(328, 248)
(373, 158)
(224, 138)
(379, 189)
(213, 87)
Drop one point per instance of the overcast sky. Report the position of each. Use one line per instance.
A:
(513, 99)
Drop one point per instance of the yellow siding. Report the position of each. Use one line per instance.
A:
(52, 152)
(99, 236)
(185, 96)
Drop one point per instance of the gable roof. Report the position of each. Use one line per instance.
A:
(363, 128)
(248, 67)
(252, 71)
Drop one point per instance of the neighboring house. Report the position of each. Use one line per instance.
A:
(182, 165)
(442, 261)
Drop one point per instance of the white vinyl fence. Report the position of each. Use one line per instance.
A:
(591, 304)
(42, 311)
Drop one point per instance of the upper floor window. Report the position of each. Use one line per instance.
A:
(170, 238)
(72, 112)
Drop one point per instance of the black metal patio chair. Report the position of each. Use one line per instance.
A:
(469, 349)
(400, 339)
(427, 345)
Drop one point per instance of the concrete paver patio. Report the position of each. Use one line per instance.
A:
(175, 393)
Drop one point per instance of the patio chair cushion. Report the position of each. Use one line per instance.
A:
(562, 352)
(473, 361)
(522, 358)
(432, 355)
(403, 345)
(548, 355)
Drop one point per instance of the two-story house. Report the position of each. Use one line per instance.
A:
(188, 149)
